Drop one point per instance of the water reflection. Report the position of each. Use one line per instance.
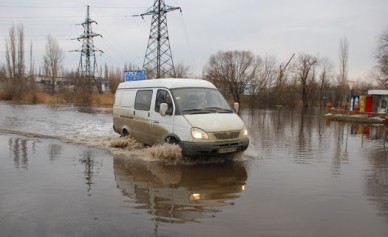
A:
(305, 138)
(370, 131)
(341, 153)
(299, 134)
(178, 194)
(90, 166)
(377, 180)
(19, 148)
(54, 151)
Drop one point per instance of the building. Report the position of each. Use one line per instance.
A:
(379, 101)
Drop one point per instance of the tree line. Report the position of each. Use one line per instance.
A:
(253, 80)
(308, 81)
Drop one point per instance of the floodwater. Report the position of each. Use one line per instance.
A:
(301, 176)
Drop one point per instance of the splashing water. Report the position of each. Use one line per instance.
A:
(165, 151)
(126, 142)
(131, 148)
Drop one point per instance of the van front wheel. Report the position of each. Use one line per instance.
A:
(171, 140)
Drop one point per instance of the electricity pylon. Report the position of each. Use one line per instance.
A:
(87, 64)
(158, 60)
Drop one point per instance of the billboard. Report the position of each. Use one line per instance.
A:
(362, 103)
(354, 103)
(134, 75)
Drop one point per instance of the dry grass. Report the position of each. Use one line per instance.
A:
(64, 97)
(50, 99)
(41, 98)
(106, 99)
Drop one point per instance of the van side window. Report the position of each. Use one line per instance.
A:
(118, 97)
(127, 98)
(162, 96)
(143, 100)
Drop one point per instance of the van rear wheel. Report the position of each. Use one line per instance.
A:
(125, 133)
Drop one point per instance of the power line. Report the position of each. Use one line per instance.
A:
(36, 17)
(53, 17)
(75, 7)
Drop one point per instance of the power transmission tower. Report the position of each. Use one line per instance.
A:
(87, 64)
(158, 58)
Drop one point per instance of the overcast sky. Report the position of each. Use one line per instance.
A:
(265, 27)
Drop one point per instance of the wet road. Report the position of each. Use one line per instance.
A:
(301, 176)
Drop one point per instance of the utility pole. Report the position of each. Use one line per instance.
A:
(87, 64)
(158, 60)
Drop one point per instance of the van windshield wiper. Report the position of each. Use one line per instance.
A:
(196, 111)
(219, 110)
(207, 110)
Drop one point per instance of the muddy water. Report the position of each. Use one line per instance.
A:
(301, 176)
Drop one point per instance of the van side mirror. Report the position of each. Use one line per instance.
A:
(236, 107)
(163, 109)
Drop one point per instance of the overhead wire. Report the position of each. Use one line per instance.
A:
(37, 19)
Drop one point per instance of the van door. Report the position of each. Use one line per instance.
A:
(141, 118)
(162, 125)
(123, 111)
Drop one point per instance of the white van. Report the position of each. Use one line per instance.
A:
(188, 112)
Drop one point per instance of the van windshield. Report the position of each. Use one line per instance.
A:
(199, 100)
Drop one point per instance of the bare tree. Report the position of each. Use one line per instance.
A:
(325, 75)
(114, 76)
(232, 71)
(31, 78)
(304, 70)
(266, 76)
(130, 66)
(3, 75)
(382, 59)
(181, 71)
(52, 61)
(343, 54)
(15, 67)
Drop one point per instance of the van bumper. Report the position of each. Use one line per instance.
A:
(213, 148)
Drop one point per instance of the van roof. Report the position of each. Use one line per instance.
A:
(167, 83)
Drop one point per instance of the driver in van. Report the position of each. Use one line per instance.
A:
(202, 102)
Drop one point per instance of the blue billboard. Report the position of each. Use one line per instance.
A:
(134, 75)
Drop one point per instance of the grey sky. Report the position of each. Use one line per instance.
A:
(265, 27)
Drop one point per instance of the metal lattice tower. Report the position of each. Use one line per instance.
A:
(88, 64)
(158, 58)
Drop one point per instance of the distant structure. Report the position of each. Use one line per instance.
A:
(158, 60)
(87, 63)
(282, 69)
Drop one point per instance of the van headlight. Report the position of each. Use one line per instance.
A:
(199, 134)
(244, 132)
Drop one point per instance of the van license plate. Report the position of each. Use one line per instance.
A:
(227, 150)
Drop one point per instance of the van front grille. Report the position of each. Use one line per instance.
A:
(227, 135)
